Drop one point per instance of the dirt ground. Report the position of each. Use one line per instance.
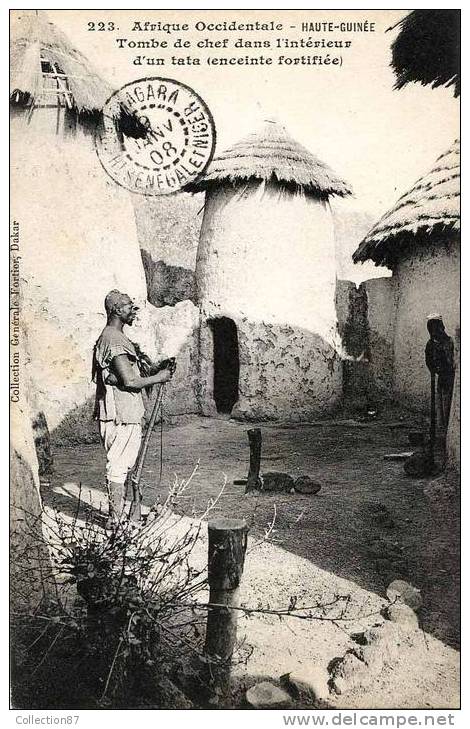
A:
(369, 524)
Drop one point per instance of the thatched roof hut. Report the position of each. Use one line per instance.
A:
(429, 212)
(39, 51)
(266, 281)
(271, 155)
(427, 49)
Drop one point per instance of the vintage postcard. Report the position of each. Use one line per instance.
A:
(235, 360)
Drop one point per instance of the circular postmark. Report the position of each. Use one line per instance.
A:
(158, 136)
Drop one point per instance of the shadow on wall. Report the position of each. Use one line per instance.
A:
(168, 228)
(354, 330)
(167, 285)
(367, 343)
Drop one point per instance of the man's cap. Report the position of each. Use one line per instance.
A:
(434, 316)
(114, 300)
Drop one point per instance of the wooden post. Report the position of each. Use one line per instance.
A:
(227, 547)
(254, 439)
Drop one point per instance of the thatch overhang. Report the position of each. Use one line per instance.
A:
(428, 213)
(34, 37)
(427, 49)
(271, 155)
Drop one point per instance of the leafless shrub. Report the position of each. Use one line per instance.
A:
(124, 607)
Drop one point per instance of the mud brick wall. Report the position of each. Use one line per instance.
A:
(351, 311)
(286, 372)
(386, 318)
(366, 316)
(381, 307)
(427, 280)
(176, 332)
(30, 576)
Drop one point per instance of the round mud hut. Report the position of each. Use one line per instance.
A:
(419, 240)
(76, 226)
(265, 278)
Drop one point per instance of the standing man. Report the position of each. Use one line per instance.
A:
(440, 362)
(119, 407)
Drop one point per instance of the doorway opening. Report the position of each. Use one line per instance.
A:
(226, 363)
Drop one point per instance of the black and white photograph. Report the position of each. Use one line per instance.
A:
(234, 367)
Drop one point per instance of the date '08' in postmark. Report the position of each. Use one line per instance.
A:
(157, 137)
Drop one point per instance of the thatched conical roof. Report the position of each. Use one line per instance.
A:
(430, 211)
(272, 155)
(33, 35)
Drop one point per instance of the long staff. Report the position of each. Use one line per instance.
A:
(136, 512)
(432, 430)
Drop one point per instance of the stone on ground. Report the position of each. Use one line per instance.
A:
(373, 635)
(384, 650)
(305, 485)
(377, 647)
(309, 680)
(402, 614)
(400, 591)
(347, 673)
(276, 482)
(267, 696)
